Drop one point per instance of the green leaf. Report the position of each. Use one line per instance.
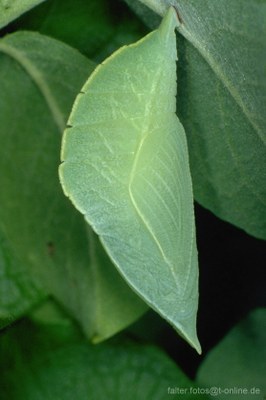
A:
(145, 14)
(18, 291)
(221, 103)
(11, 9)
(239, 360)
(96, 27)
(40, 78)
(37, 367)
(126, 168)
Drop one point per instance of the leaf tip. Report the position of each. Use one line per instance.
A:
(186, 328)
(193, 340)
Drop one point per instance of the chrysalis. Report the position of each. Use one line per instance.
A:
(125, 167)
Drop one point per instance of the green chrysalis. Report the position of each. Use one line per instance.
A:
(125, 167)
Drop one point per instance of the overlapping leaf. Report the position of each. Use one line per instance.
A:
(239, 360)
(221, 103)
(18, 291)
(39, 80)
(42, 364)
(126, 168)
(95, 27)
(11, 9)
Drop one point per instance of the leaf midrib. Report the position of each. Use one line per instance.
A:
(38, 79)
(222, 78)
(214, 66)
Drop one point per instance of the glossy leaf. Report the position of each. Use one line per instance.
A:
(126, 168)
(11, 9)
(221, 103)
(239, 360)
(53, 249)
(37, 366)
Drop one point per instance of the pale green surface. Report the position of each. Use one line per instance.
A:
(239, 360)
(222, 102)
(40, 78)
(11, 9)
(57, 365)
(126, 168)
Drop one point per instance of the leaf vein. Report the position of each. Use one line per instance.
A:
(223, 79)
(39, 81)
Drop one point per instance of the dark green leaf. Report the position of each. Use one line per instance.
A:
(37, 367)
(94, 27)
(149, 17)
(11, 9)
(18, 291)
(239, 360)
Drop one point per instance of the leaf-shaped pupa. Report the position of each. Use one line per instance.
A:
(125, 167)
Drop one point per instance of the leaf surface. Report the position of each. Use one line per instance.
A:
(54, 250)
(239, 360)
(96, 27)
(18, 291)
(39, 367)
(221, 103)
(126, 168)
(11, 9)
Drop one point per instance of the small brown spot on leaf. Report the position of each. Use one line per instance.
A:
(50, 248)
